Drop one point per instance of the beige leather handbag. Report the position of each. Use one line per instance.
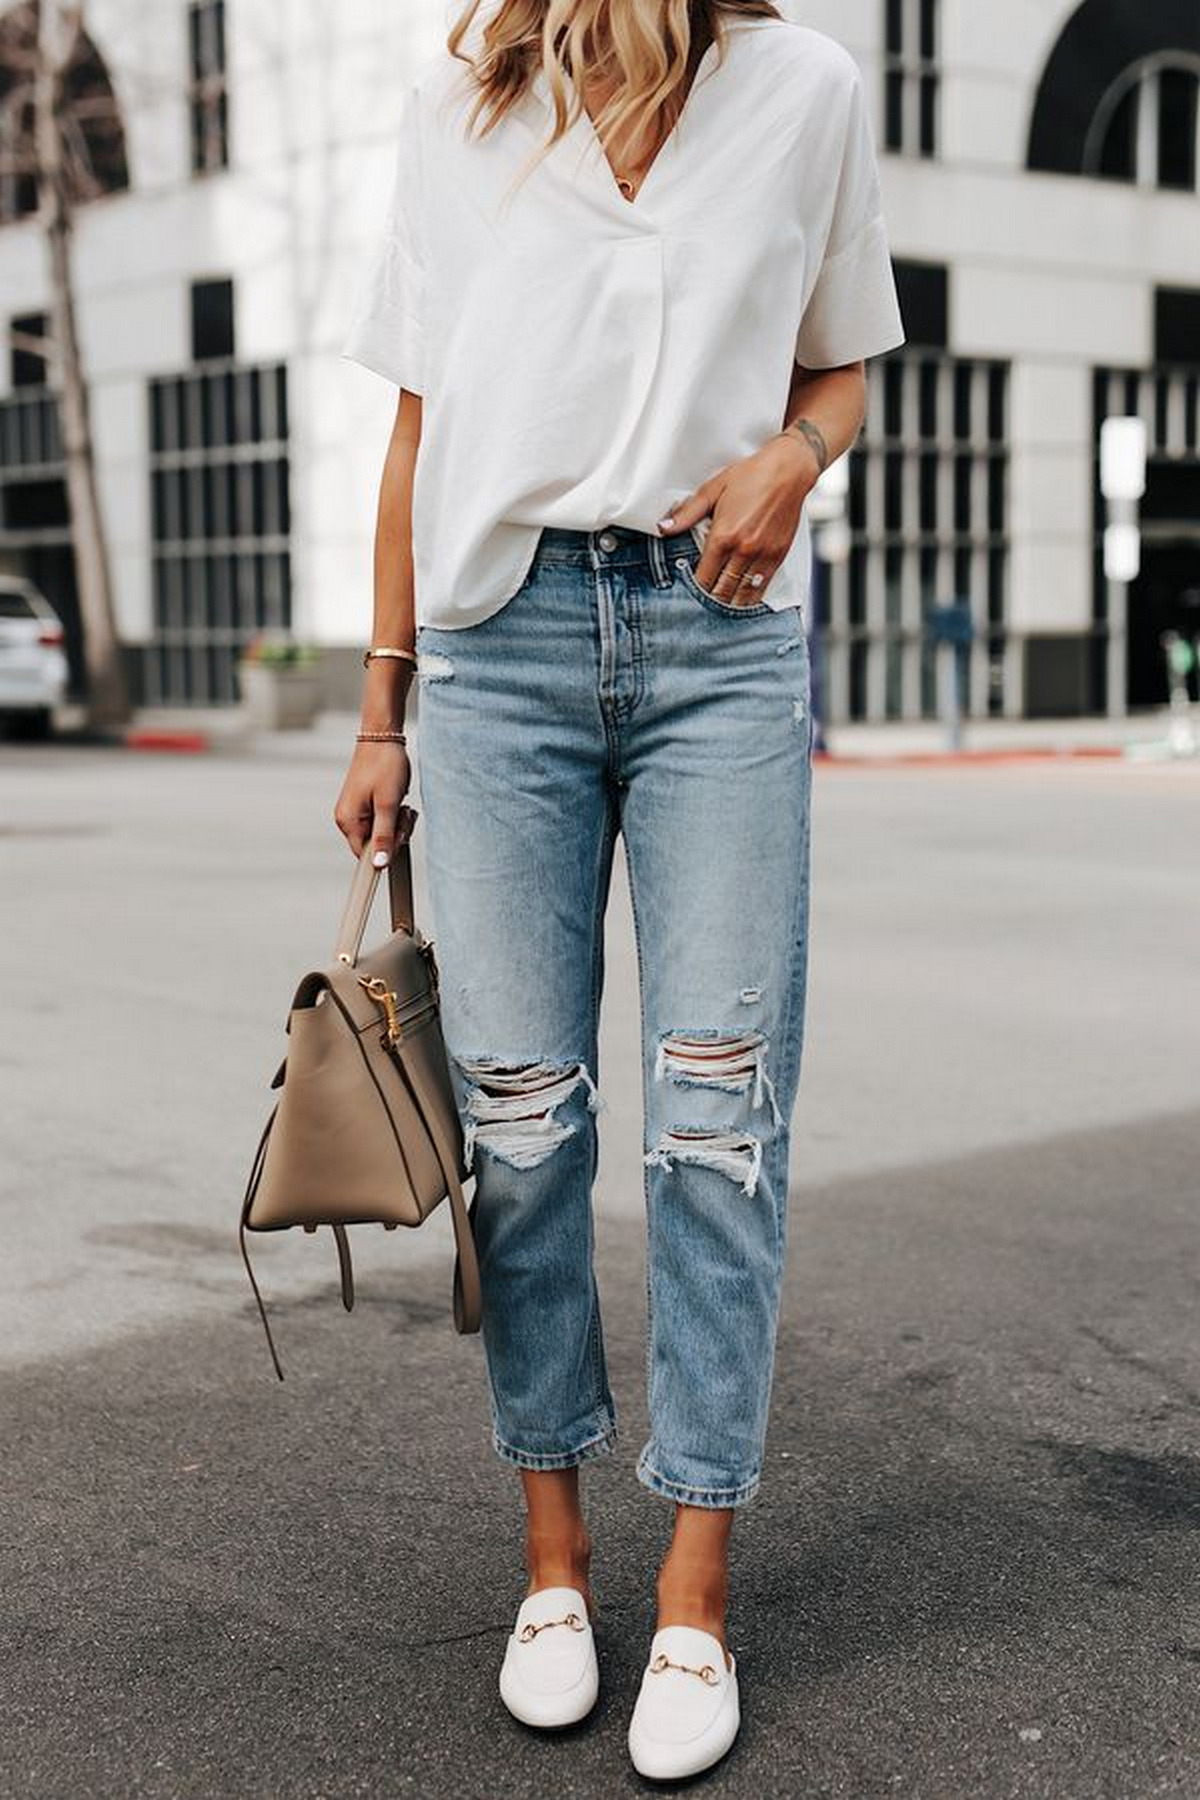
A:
(366, 1130)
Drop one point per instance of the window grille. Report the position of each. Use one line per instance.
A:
(220, 525)
(928, 516)
(911, 76)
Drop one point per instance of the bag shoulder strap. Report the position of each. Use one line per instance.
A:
(251, 1188)
(468, 1296)
(468, 1305)
(468, 1302)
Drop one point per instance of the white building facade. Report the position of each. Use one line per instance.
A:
(1039, 164)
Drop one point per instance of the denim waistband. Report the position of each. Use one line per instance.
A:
(632, 547)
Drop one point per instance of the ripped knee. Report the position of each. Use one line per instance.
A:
(734, 1061)
(512, 1108)
(736, 1154)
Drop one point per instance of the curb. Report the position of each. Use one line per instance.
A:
(933, 759)
(148, 739)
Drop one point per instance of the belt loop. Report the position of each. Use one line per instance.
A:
(594, 552)
(658, 560)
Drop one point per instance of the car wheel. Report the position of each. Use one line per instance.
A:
(36, 723)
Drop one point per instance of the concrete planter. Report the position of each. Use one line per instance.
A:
(280, 696)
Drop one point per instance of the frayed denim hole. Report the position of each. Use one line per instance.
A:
(734, 1062)
(511, 1108)
(433, 665)
(732, 1153)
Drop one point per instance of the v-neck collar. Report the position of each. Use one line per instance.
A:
(584, 132)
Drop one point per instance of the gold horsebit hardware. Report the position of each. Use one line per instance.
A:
(707, 1673)
(530, 1631)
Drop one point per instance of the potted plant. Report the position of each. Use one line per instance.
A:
(279, 681)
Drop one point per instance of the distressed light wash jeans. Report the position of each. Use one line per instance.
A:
(612, 693)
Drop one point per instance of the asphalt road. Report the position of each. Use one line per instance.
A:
(974, 1567)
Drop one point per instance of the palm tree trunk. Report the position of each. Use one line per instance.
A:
(107, 692)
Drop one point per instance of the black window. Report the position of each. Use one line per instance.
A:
(28, 368)
(1118, 149)
(911, 76)
(89, 110)
(1177, 325)
(923, 292)
(1177, 128)
(1144, 129)
(928, 519)
(212, 320)
(221, 524)
(208, 92)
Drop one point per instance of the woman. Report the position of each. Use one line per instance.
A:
(634, 261)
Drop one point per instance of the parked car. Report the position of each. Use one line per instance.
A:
(33, 663)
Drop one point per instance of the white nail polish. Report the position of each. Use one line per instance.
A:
(380, 859)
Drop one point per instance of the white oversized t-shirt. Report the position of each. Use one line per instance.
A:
(587, 361)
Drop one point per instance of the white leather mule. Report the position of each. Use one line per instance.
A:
(550, 1676)
(687, 1713)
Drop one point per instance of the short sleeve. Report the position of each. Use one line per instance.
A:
(853, 310)
(386, 332)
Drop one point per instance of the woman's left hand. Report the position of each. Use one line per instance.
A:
(755, 505)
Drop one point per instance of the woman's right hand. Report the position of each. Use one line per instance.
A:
(368, 806)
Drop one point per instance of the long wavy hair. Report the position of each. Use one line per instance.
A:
(640, 53)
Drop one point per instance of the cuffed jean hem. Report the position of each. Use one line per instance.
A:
(687, 1495)
(600, 1445)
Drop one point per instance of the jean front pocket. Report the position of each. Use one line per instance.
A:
(685, 567)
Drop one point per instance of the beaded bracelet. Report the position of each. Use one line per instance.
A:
(381, 737)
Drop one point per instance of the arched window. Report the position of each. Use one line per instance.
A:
(96, 161)
(1118, 97)
(1145, 126)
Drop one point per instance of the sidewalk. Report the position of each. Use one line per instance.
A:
(227, 729)
(988, 740)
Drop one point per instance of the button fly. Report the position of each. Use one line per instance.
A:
(608, 540)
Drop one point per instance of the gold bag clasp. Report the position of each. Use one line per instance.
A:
(386, 1000)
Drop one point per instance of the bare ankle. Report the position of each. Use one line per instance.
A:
(559, 1559)
(707, 1590)
(571, 1543)
(693, 1590)
(558, 1546)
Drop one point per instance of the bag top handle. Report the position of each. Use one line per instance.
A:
(362, 891)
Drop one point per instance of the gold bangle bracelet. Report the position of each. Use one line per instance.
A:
(388, 650)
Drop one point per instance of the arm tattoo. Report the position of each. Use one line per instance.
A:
(813, 437)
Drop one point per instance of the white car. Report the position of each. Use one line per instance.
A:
(33, 664)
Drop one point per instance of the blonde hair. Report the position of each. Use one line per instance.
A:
(643, 52)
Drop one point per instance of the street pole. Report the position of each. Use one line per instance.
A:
(820, 589)
(1117, 611)
(1122, 483)
(826, 508)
